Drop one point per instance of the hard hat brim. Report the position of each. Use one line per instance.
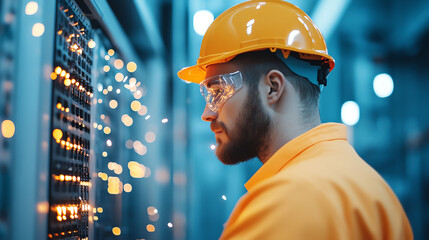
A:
(195, 74)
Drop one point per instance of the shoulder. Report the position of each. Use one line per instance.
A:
(289, 190)
(284, 208)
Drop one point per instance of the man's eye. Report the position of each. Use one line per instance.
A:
(215, 91)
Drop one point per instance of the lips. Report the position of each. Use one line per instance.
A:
(217, 131)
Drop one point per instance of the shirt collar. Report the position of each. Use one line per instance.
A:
(321, 133)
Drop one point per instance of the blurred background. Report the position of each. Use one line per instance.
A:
(101, 140)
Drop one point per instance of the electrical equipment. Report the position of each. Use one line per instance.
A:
(70, 124)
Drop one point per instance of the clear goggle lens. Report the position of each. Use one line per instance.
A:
(218, 89)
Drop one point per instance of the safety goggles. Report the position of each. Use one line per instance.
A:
(218, 89)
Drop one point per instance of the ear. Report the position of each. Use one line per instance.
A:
(274, 85)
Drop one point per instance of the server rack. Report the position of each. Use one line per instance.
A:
(47, 79)
(70, 124)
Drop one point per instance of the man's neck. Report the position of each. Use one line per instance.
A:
(282, 134)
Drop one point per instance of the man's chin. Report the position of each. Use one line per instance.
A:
(226, 156)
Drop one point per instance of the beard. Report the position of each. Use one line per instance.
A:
(249, 136)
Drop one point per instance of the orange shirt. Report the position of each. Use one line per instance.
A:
(317, 187)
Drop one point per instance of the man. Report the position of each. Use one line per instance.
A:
(261, 69)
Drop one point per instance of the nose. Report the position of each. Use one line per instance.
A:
(208, 115)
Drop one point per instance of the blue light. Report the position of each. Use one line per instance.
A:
(350, 113)
(383, 85)
(202, 21)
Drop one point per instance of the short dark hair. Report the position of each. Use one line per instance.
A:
(254, 65)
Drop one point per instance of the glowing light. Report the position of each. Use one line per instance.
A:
(31, 8)
(67, 82)
(102, 116)
(113, 104)
(100, 101)
(109, 88)
(132, 82)
(170, 225)
(152, 211)
(109, 142)
(74, 47)
(350, 113)
(58, 70)
(54, 76)
(107, 130)
(127, 120)
(139, 148)
(165, 120)
(116, 231)
(150, 137)
(383, 85)
(147, 117)
(119, 77)
(103, 176)
(150, 228)
(105, 92)
(104, 154)
(223, 197)
(57, 134)
(7, 128)
(63, 73)
(38, 29)
(128, 187)
(118, 169)
(118, 91)
(99, 127)
(107, 57)
(91, 44)
(111, 165)
(100, 210)
(135, 105)
(118, 63)
(137, 170)
(95, 218)
(114, 185)
(111, 52)
(202, 21)
(106, 68)
(143, 110)
(212, 147)
(131, 67)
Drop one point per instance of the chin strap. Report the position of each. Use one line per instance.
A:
(313, 70)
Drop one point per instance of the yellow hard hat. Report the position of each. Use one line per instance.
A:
(258, 25)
